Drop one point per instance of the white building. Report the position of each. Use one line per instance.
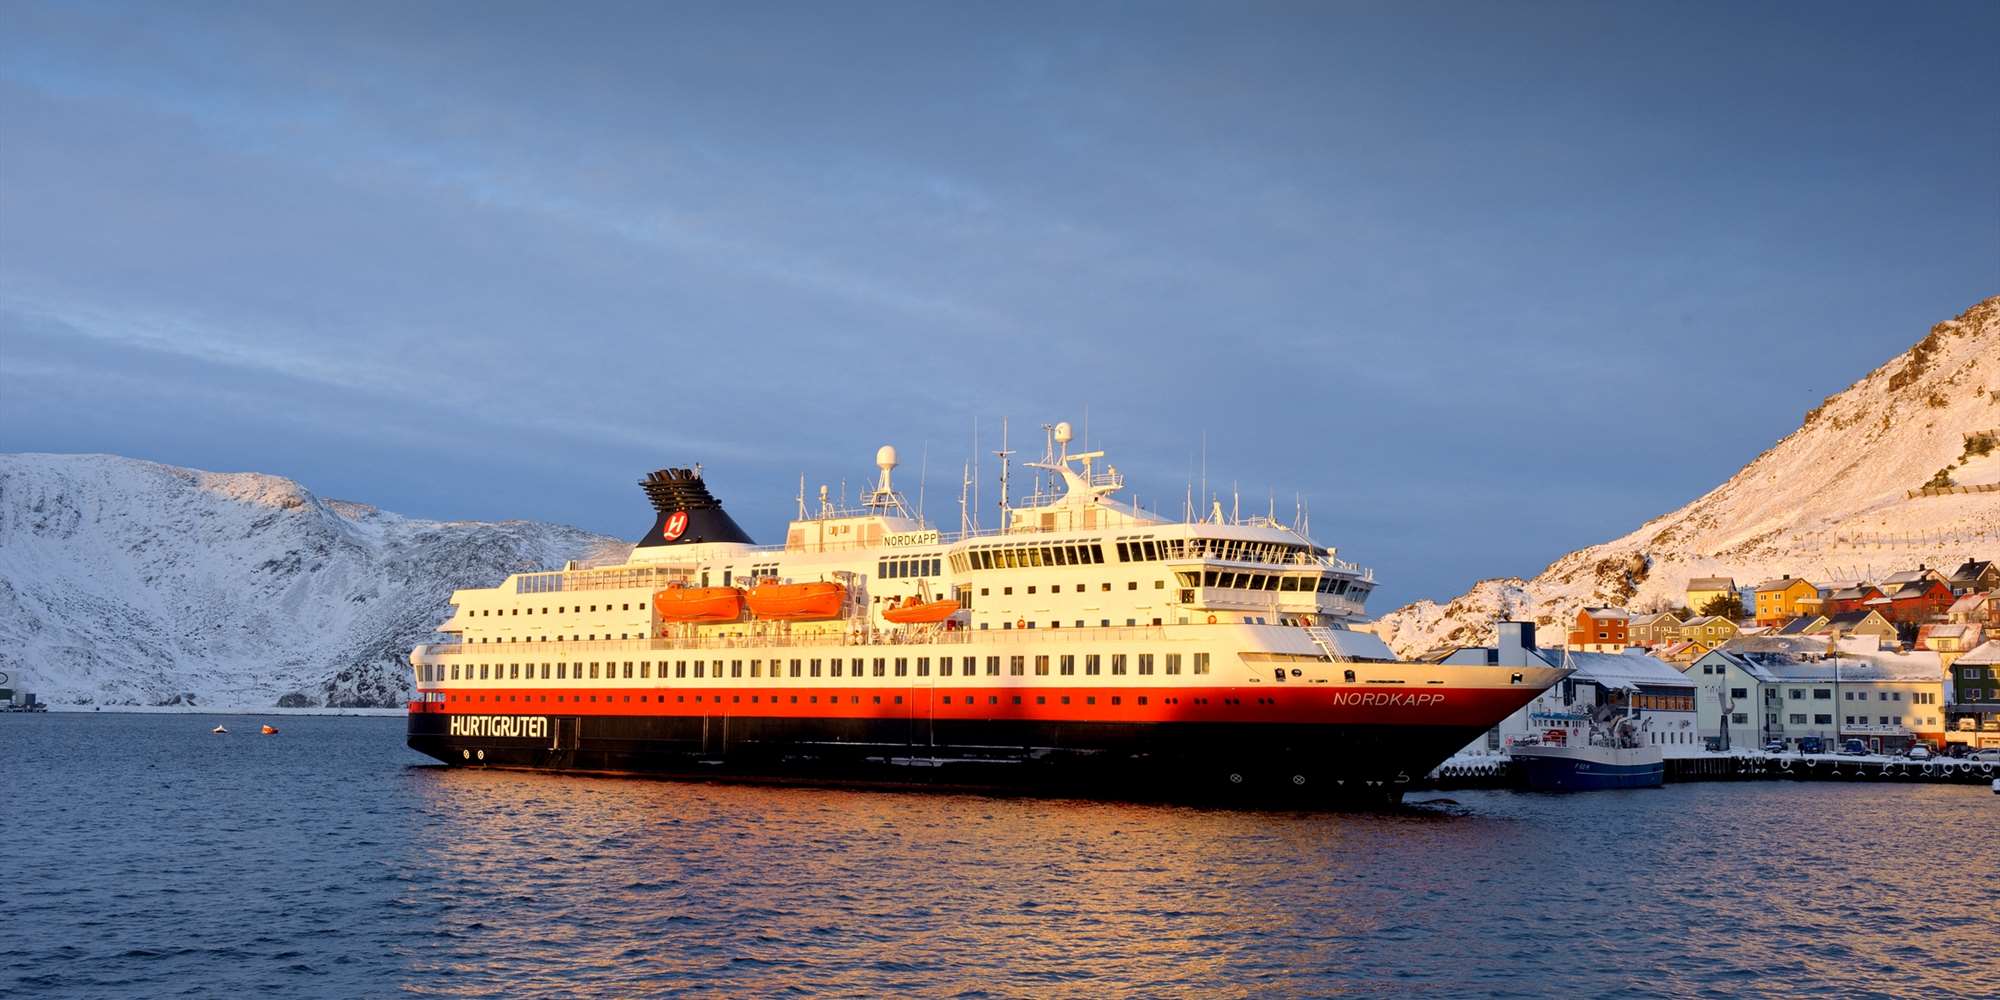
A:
(1887, 699)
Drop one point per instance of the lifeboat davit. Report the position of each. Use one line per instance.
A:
(699, 604)
(797, 602)
(915, 612)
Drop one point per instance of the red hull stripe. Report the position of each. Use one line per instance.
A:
(1297, 703)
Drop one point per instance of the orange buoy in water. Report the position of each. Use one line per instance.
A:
(270, 730)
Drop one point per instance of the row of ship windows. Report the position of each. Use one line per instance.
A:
(1028, 556)
(1227, 549)
(897, 569)
(560, 610)
(1267, 581)
(1057, 588)
(1065, 665)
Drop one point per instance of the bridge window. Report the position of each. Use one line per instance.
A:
(1117, 665)
(881, 669)
(815, 666)
(1146, 664)
(797, 666)
(1201, 663)
(1041, 666)
(1090, 664)
(1068, 664)
(1173, 663)
(992, 666)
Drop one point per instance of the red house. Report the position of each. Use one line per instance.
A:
(1850, 599)
(1600, 630)
(1920, 602)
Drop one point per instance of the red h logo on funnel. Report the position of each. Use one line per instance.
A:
(677, 522)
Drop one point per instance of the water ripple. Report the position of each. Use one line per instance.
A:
(153, 859)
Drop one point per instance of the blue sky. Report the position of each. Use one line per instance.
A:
(1484, 282)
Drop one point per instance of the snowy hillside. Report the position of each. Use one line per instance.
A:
(1831, 500)
(127, 582)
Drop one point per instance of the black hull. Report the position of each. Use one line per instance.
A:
(1149, 761)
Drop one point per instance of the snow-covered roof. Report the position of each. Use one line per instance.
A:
(1711, 583)
(1799, 625)
(1968, 604)
(1946, 631)
(1850, 593)
(1608, 614)
(1971, 569)
(1703, 620)
(1654, 618)
(1910, 576)
(1781, 583)
(1987, 652)
(1879, 600)
(1858, 666)
(1627, 670)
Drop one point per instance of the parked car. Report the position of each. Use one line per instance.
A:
(1854, 748)
(1920, 751)
(1811, 744)
(1988, 755)
(1774, 746)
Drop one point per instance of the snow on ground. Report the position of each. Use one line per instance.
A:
(1830, 501)
(131, 583)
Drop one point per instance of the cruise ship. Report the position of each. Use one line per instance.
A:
(1083, 646)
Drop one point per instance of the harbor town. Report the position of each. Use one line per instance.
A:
(1897, 677)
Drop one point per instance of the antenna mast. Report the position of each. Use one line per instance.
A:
(964, 494)
(1002, 454)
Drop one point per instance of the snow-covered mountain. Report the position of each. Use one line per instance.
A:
(1833, 500)
(127, 582)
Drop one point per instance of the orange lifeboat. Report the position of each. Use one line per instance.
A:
(797, 602)
(698, 604)
(915, 612)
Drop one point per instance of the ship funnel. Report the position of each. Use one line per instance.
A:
(687, 513)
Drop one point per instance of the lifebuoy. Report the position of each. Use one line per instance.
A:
(1211, 619)
(1020, 623)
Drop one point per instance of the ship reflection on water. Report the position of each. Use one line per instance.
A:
(542, 883)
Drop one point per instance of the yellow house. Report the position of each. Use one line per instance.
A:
(1779, 601)
(1703, 589)
(1710, 630)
